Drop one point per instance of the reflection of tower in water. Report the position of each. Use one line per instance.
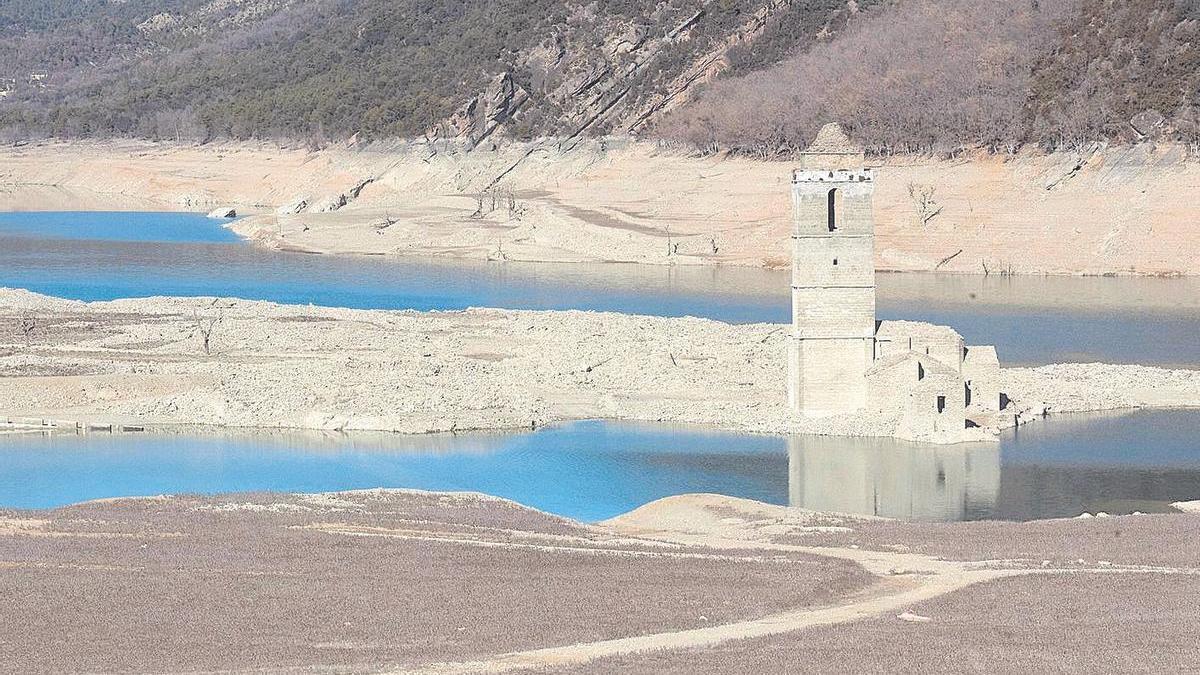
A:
(893, 479)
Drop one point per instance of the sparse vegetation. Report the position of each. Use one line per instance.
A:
(924, 202)
(490, 199)
(918, 76)
(1119, 65)
(327, 69)
(934, 76)
(905, 76)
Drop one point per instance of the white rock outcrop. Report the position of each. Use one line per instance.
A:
(293, 207)
(328, 204)
(223, 212)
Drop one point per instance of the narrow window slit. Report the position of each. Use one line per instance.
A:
(832, 209)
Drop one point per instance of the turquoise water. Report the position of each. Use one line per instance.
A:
(595, 470)
(101, 256)
(115, 226)
(587, 470)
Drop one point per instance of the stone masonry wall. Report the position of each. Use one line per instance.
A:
(833, 291)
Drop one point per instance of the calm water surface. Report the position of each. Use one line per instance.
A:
(1031, 320)
(595, 470)
(116, 226)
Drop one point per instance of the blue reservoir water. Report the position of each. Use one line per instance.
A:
(115, 226)
(103, 256)
(1031, 320)
(595, 470)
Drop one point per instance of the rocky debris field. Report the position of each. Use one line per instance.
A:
(255, 364)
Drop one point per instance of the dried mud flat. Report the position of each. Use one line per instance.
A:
(144, 362)
(405, 581)
(1104, 211)
(355, 580)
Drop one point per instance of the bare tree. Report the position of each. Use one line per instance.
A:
(204, 328)
(985, 53)
(479, 198)
(514, 211)
(28, 325)
(923, 199)
(384, 224)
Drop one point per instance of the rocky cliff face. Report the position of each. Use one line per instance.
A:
(606, 73)
(482, 115)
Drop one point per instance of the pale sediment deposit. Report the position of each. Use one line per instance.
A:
(1105, 211)
(163, 361)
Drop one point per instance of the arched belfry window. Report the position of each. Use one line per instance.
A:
(831, 209)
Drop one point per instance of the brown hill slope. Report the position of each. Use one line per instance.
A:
(903, 75)
(935, 76)
(333, 68)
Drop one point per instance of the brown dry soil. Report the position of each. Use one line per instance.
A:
(355, 580)
(1037, 624)
(384, 580)
(1157, 539)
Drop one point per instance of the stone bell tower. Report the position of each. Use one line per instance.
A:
(833, 278)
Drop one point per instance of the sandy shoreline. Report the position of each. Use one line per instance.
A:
(143, 362)
(1113, 211)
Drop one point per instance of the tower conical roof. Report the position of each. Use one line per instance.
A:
(831, 149)
(831, 140)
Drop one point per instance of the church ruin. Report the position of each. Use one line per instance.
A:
(840, 358)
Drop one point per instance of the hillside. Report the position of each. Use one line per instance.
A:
(380, 68)
(754, 76)
(933, 76)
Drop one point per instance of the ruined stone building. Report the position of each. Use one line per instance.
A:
(841, 360)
